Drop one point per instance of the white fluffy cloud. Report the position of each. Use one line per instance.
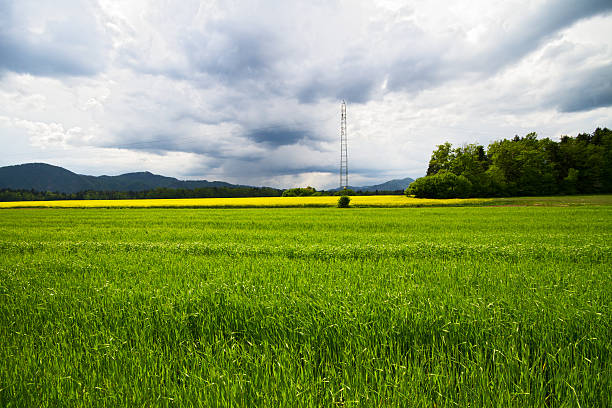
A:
(249, 93)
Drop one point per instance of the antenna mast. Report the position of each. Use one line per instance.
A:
(343, 148)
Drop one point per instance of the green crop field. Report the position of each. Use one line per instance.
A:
(471, 306)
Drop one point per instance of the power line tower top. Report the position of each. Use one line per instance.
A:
(343, 148)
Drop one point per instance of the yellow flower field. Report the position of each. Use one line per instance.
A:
(322, 201)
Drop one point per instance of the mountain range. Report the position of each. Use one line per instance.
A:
(45, 177)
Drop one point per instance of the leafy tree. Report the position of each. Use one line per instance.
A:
(471, 162)
(497, 185)
(441, 159)
(525, 164)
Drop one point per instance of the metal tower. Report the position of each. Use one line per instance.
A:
(343, 148)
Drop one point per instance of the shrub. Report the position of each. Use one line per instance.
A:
(299, 192)
(343, 202)
(443, 184)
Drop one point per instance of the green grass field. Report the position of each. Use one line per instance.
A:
(467, 306)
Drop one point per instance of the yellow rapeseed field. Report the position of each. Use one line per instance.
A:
(322, 201)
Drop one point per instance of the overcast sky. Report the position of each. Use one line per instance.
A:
(249, 91)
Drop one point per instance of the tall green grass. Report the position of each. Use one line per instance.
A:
(306, 307)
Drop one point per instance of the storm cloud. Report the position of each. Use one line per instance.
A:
(51, 39)
(589, 90)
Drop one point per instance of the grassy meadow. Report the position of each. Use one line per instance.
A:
(455, 306)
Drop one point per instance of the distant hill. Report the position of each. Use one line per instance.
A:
(391, 185)
(45, 177)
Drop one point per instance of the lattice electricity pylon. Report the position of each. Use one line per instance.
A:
(343, 148)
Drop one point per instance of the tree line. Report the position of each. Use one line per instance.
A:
(312, 192)
(522, 166)
(7, 194)
(162, 192)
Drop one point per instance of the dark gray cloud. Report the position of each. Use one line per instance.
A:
(232, 52)
(148, 140)
(50, 45)
(279, 135)
(24, 58)
(355, 88)
(414, 74)
(590, 89)
(354, 79)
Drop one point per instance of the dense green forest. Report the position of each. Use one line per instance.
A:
(522, 166)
